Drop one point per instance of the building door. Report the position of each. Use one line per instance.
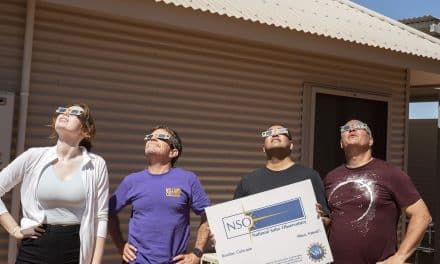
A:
(333, 110)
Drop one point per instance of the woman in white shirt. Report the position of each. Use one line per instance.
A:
(64, 195)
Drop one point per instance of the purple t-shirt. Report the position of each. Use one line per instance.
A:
(159, 226)
(365, 205)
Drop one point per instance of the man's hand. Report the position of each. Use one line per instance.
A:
(394, 259)
(128, 254)
(212, 239)
(318, 209)
(189, 258)
(325, 219)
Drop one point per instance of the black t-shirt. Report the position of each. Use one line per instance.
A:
(264, 179)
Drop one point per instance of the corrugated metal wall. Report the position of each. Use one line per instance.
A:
(12, 24)
(217, 93)
(422, 158)
(12, 21)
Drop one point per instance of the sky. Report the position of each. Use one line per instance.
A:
(423, 110)
(398, 9)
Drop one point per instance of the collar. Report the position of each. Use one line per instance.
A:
(52, 156)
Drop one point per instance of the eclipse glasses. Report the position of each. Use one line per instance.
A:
(164, 137)
(274, 132)
(68, 111)
(158, 136)
(358, 126)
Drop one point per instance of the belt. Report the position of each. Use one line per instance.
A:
(48, 227)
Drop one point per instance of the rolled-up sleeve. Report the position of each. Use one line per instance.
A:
(11, 176)
(102, 199)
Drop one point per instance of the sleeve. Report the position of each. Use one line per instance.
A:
(199, 199)
(102, 199)
(318, 187)
(121, 197)
(12, 175)
(402, 188)
(240, 189)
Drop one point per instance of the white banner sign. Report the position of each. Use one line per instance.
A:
(279, 226)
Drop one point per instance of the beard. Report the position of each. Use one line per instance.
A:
(277, 152)
(152, 150)
(361, 147)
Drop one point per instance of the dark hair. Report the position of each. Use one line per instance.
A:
(175, 141)
(87, 122)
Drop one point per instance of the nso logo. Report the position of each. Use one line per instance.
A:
(265, 217)
(237, 225)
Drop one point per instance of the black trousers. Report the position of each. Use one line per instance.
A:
(58, 245)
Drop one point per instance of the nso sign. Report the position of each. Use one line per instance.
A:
(262, 218)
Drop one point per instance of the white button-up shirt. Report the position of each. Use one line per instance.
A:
(27, 169)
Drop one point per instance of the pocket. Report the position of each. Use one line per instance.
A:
(30, 251)
(27, 241)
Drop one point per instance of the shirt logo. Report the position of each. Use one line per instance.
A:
(173, 192)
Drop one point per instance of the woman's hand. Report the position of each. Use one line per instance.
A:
(31, 232)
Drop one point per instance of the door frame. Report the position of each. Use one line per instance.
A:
(309, 106)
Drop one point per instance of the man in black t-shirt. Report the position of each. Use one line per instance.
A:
(280, 169)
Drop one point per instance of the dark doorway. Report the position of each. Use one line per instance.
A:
(333, 111)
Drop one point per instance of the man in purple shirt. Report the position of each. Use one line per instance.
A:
(366, 197)
(161, 197)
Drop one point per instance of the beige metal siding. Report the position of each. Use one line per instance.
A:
(12, 24)
(217, 93)
(422, 158)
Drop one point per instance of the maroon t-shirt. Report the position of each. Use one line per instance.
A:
(365, 205)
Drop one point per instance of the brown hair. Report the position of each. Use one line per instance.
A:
(175, 141)
(87, 122)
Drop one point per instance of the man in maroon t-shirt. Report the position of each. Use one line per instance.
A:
(365, 197)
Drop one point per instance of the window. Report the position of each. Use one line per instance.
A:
(423, 110)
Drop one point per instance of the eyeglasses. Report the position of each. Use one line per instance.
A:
(274, 132)
(68, 111)
(358, 126)
(171, 141)
(158, 136)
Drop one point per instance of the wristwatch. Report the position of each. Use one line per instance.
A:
(197, 252)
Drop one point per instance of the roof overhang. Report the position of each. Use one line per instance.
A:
(175, 17)
(338, 19)
(425, 86)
